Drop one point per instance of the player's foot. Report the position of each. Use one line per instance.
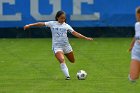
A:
(67, 78)
(131, 80)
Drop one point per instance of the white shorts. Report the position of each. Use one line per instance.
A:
(65, 49)
(135, 54)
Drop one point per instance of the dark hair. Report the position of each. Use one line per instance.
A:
(138, 10)
(58, 14)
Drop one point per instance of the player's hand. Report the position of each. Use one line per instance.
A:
(129, 50)
(26, 27)
(88, 38)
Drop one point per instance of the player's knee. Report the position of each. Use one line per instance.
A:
(61, 60)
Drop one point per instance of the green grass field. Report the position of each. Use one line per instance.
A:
(29, 66)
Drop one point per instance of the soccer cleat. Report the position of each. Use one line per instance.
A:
(132, 81)
(67, 78)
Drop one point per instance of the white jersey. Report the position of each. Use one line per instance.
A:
(59, 33)
(137, 30)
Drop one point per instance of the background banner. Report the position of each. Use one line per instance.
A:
(80, 13)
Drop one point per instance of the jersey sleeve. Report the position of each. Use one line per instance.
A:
(49, 23)
(137, 30)
(69, 28)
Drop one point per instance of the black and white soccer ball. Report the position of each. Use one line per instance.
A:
(81, 75)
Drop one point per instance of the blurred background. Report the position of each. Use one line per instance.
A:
(94, 18)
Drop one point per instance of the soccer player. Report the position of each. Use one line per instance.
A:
(135, 53)
(60, 43)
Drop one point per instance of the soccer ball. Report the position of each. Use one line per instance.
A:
(81, 75)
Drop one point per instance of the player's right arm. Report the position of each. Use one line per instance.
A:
(38, 24)
(132, 44)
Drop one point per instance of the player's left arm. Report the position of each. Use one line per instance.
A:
(76, 34)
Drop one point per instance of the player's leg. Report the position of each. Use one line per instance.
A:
(60, 57)
(135, 62)
(134, 70)
(69, 53)
(70, 57)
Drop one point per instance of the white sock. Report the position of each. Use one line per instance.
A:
(65, 70)
(131, 79)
